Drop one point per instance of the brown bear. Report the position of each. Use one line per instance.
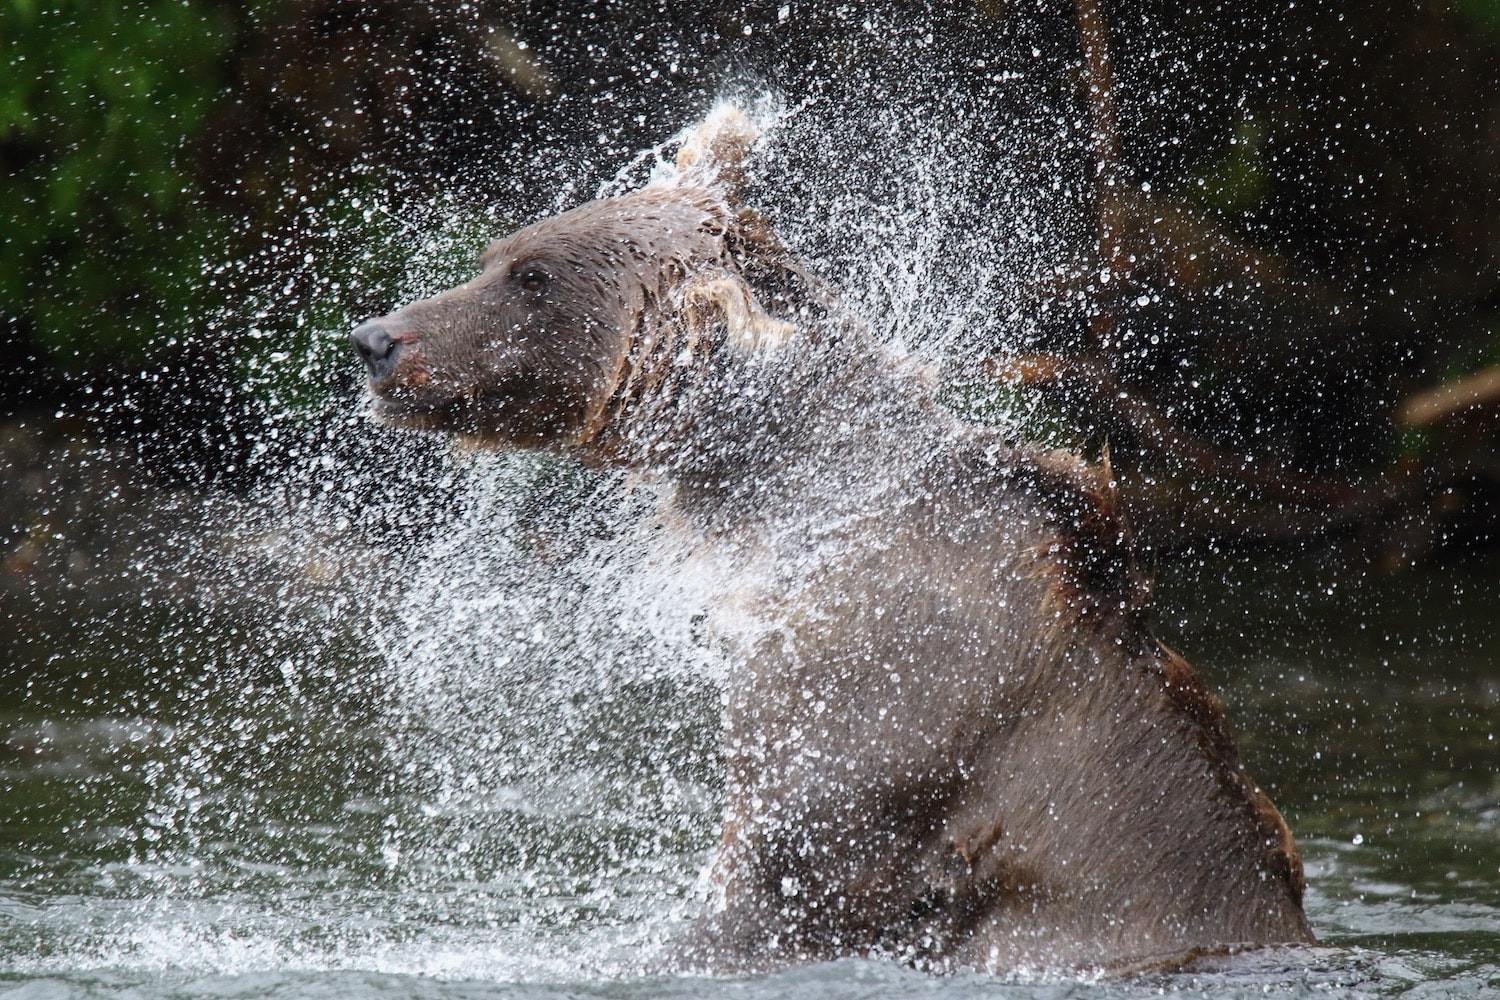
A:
(950, 737)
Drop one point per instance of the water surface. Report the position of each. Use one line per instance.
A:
(333, 764)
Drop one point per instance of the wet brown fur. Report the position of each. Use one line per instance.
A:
(950, 737)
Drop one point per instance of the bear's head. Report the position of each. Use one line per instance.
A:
(573, 316)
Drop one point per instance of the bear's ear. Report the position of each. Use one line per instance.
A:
(713, 154)
(726, 297)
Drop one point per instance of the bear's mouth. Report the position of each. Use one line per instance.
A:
(427, 414)
(486, 416)
(516, 410)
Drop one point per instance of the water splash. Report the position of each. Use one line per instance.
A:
(465, 722)
(456, 714)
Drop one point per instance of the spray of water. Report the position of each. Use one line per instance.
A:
(464, 719)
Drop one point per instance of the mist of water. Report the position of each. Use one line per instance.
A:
(453, 713)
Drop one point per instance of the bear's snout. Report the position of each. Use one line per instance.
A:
(377, 346)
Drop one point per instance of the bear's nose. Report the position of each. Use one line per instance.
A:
(376, 346)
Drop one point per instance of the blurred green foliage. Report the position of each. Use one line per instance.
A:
(1238, 180)
(105, 241)
(1486, 13)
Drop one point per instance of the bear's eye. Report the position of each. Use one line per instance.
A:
(533, 278)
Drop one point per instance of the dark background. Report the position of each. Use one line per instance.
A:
(1320, 245)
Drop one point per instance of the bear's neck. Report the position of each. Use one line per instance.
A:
(750, 437)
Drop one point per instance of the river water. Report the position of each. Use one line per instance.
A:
(294, 758)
